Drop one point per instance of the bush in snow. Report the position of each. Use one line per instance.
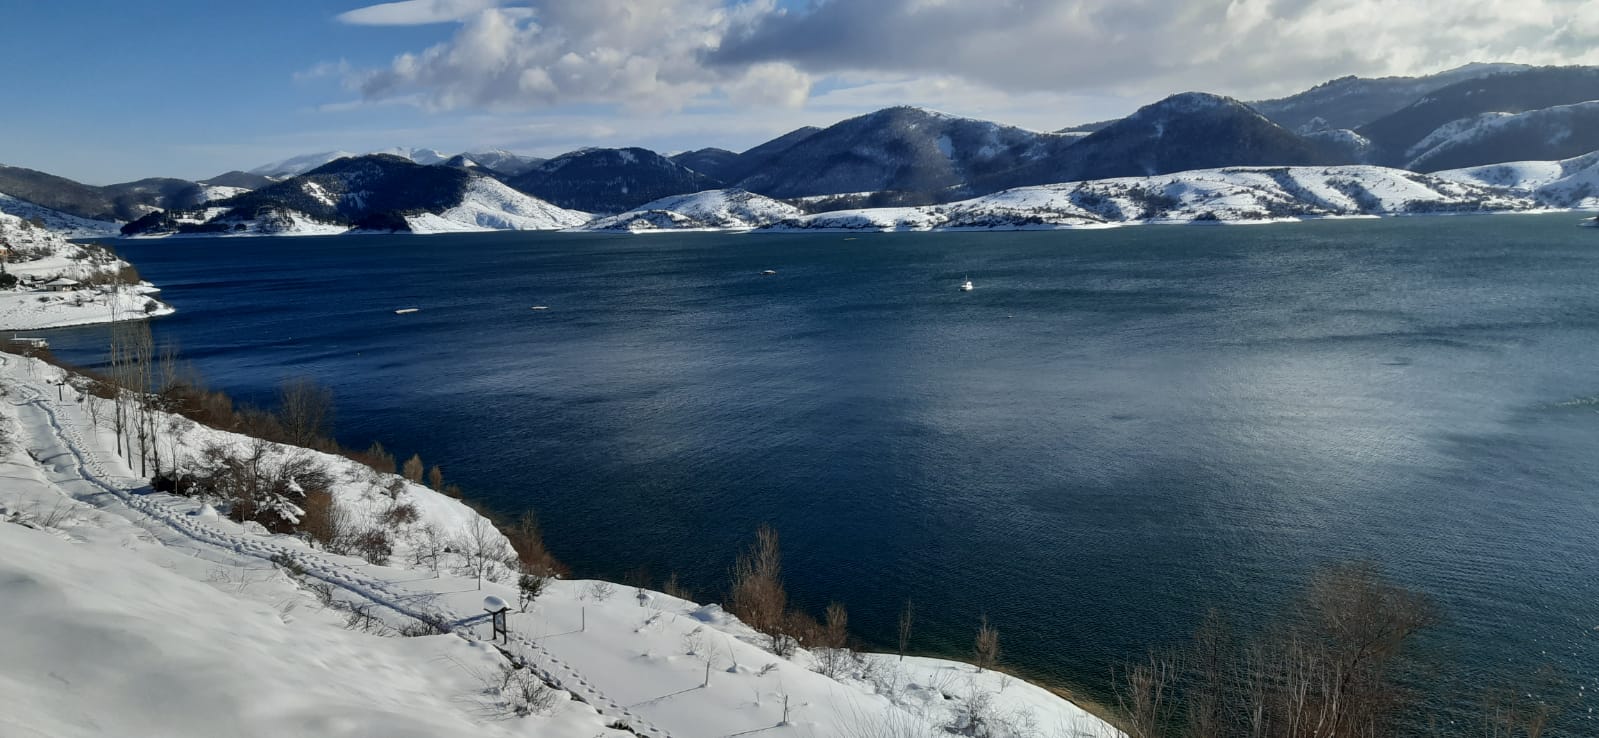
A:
(256, 483)
(528, 588)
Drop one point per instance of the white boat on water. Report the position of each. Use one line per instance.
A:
(967, 285)
(407, 311)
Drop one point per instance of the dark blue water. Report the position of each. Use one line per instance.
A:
(1114, 432)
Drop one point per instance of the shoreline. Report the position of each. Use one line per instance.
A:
(790, 230)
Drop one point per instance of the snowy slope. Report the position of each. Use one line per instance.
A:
(709, 210)
(1571, 183)
(487, 204)
(147, 614)
(1235, 194)
(1548, 133)
(67, 225)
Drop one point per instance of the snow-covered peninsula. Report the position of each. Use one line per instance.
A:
(224, 624)
(50, 282)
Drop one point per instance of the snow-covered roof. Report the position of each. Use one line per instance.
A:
(61, 282)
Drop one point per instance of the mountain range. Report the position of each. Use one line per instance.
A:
(1477, 115)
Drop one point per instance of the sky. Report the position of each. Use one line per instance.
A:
(106, 91)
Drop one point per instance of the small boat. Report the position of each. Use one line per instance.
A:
(768, 272)
(967, 285)
(541, 307)
(407, 311)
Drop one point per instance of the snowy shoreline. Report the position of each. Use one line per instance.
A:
(97, 569)
(59, 283)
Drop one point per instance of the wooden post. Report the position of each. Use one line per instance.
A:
(583, 625)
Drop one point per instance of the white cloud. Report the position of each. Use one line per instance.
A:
(1247, 48)
(644, 56)
(416, 12)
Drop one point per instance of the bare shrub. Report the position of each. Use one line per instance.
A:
(376, 457)
(599, 591)
(974, 716)
(758, 597)
(522, 692)
(399, 516)
(436, 478)
(421, 629)
(372, 544)
(985, 647)
(529, 586)
(528, 541)
(674, 588)
(1326, 669)
(412, 470)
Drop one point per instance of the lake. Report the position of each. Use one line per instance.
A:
(1116, 430)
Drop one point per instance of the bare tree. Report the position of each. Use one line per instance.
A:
(436, 478)
(907, 618)
(305, 408)
(482, 547)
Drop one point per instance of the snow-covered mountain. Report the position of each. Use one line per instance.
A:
(501, 161)
(1552, 133)
(1444, 112)
(609, 180)
(1351, 102)
(504, 162)
(903, 149)
(377, 192)
(1188, 131)
(710, 210)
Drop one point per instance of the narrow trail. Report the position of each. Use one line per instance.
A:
(67, 440)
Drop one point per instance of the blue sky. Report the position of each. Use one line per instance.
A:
(105, 91)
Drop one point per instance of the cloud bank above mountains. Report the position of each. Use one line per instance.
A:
(660, 55)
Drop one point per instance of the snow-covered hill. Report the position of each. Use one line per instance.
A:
(132, 612)
(1231, 195)
(377, 193)
(1571, 183)
(70, 226)
(709, 210)
(58, 283)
